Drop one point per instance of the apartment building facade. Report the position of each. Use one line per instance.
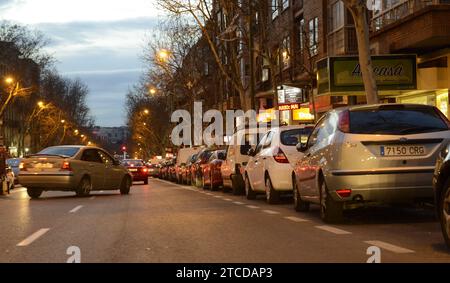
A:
(305, 55)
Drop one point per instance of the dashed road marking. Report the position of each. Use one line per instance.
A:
(296, 219)
(252, 206)
(92, 198)
(238, 203)
(390, 247)
(333, 230)
(271, 212)
(76, 209)
(33, 237)
(227, 199)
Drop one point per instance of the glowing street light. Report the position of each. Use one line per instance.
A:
(146, 112)
(163, 54)
(63, 121)
(152, 91)
(41, 104)
(9, 80)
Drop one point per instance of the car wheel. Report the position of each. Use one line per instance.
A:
(34, 193)
(211, 184)
(249, 193)
(125, 186)
(146, 182)
(330, 210)
(444, 207)
(236, 185)
(204, 186)
(299, 204)
(84, 188)
(272, 196)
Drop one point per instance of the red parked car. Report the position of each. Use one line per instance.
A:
(137, 169)
(212, 176)
(197, 167)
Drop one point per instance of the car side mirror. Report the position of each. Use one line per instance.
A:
(302, 147)
(251, 152)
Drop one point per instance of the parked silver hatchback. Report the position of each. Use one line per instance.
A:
(80, 169)
(379, 153)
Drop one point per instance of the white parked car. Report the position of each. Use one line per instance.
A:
(237, 158)
(271, 165)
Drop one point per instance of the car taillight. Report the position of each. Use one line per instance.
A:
(22, 167)
(344, 193)
(280, 157)
(66, 166)
(344, 122)
(145, 170)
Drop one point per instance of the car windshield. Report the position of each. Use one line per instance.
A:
(296, 136)
(133, 163)
(400, 121)
(13, 162)
(60, 151)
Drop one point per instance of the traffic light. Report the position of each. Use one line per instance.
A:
(124, 148)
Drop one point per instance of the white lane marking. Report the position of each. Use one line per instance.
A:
(101, 192)
(208, 194)
(238, 203)
(218, 197)
(296, 219)
(271, 212)
(33, 237)
(390, 247)
(252, 207)
(18, 190)
(333, 230)
(92, 198)
(227, 199)
(76, 209)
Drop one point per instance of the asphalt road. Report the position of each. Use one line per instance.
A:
(164, 223)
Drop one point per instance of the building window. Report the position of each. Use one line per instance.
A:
(285, 4)
(274, 9)
(337, 16)
(286, 52)
(301, 34)
(314, 36)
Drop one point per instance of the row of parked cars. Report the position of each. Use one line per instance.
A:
(353, 156)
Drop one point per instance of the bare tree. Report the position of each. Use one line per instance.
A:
(358, 9)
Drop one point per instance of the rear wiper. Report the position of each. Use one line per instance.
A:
(420, 130)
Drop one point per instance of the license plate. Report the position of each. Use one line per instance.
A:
(43, 165)
(403, 150)
(133, 170)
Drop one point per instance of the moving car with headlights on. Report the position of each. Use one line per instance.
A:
(271, 165)
(80, 169)
(14, 164)
(138, 170)
(370, 154)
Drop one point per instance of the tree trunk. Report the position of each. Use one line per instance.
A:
(358, 11)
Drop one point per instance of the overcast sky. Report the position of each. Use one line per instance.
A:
(99, 41)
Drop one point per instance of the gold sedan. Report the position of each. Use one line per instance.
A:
(80, 169)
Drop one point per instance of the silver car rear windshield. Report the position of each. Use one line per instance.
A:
(60, 151)
(402, 121)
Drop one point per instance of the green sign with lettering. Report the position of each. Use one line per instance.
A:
(343, 74)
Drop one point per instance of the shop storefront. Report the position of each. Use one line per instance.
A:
(291, 105)
(399, 78)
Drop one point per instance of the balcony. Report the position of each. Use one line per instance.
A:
(412, 26)
(342, 41)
